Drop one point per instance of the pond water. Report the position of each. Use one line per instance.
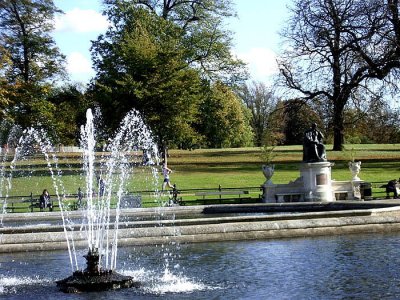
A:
(336, 267)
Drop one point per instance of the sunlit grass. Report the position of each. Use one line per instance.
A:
(210, 168)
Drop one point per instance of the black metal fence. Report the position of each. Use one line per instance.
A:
(143, 198)
(152, 198)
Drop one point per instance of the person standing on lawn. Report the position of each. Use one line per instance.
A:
(166, 171)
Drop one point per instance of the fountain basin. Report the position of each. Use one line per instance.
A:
(251, 222)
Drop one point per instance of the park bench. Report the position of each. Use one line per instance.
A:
(343, 195)
(289, 197)
(24, 205)
(14, 205)
(31, 204)
(35, 204)
(222, 196)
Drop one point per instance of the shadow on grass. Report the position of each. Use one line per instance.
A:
(219, 153)
(41, 173)
(232, 167)
(283, 166)
(388, 165)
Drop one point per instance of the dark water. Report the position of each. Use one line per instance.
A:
(337, 267)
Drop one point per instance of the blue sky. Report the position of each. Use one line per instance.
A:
(256, 38)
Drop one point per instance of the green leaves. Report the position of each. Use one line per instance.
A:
(160, 57)
(24, 29)
(29, 60)
(225, 121)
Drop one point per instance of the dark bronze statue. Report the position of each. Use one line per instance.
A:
(313, 148)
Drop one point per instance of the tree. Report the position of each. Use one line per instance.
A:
(207, 44)
(160, 60)
(4, 86)
(260, 100)
(30, 60)
(340, 49)
(25, 27)
(298, 118)
(140, 64)
(32, 108)
(379, 124)
(70, 106)
(225, 120)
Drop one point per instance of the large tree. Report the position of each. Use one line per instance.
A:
(33, 59)
(159, 60)
(140, 64)
(225, 119)
(25, 27)
(338, 50)
(70, 104)
(4, 86)
(203, 35)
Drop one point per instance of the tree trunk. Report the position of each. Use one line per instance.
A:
(338, 129)
(25, 71)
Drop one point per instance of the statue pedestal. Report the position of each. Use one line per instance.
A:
(317, 181)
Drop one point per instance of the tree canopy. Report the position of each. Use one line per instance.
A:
(172, 61)
(225, 120)
(25, 27)
(261, 102)
(141, 67)
(203, 37)
(30, 60)
(161, 61)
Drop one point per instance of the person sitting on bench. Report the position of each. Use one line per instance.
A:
(391, 187)
(44, 201)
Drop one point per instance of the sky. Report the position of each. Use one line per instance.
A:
(255, 34)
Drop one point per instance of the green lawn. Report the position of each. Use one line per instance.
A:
(209, 168)
(242, 167)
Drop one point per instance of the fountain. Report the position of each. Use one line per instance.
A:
(102, 239)
(94, 278)
(100, 218)
(205, 260)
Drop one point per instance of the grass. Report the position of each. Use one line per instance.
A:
(209, 168)
(242, 167)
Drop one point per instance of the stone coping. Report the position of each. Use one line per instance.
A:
(212, 223)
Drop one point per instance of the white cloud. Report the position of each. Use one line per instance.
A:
(77, 63)
(80, 21)
(261, 62)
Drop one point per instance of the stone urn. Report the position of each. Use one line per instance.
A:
(268, 171)
(355, 167)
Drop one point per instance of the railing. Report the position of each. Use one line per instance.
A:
(191, 196)
(31, 203)
(152, 198)
(144, 198)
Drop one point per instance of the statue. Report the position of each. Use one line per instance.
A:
(313, 148)
(355, 167)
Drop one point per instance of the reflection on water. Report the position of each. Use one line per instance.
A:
(337, 267)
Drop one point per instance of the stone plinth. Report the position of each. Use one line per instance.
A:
(317, 181)
(279, 193)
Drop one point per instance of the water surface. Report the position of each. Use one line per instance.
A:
(336, 267)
